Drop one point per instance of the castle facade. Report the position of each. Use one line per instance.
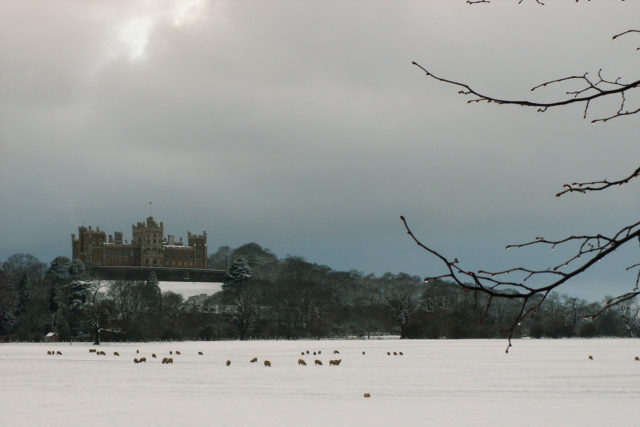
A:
(148, 248)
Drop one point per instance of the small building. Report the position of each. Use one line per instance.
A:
(51, 337)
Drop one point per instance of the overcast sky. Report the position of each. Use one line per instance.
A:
(303, 126)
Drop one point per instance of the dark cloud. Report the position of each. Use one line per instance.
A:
(303, 126)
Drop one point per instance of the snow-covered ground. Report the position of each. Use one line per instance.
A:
(189, 289)
(436, 382)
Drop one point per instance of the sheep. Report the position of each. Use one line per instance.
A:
(302, 353)
(318, 362)
(170, 360)
(637, 358)
(254, 360)
(200, 353)
(363, 353)
(49, 353)
(135, 360)
(228, 362)
(367, 395)
(395, 353)
(164, 360)
(302, 362)
(101, 353)
(388, 354)
(137, 351)
(319, 352)
(153, 355)
(401, 353)
(336, 352)
(92, 350)
(115, 353)
(314, 353)
(307, 351)
(267, 363)
(167, 360)
(170, 352)
(59, 353)
(590, 357)
(143, 359)
(335, 362)
(177, 352)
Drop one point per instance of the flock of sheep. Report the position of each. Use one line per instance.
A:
(267, 363)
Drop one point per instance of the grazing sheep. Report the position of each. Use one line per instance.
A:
(335, 362)
(363, 353)
(314, 353)
(307, 351)
(302, 362)
(267, 363)
(388, 354)
(302, 353)
(228, 362)
(254, 360)
(200, 353)
(395, 353)
(143, 359)
(336, 352)
(101, 353)
(367, 395)
(115, 353)
(170, 360)
(401, 354)
(318, 362)
(49, 353)
(177, 352)
(59, 353)
(92, 350)
(590, 357)
(319, 352)
(153, 355)
(637, 358)
(166, 360)
(170, 352)
(135, 360)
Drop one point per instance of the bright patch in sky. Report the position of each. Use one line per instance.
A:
(187, 11)
(134, 37)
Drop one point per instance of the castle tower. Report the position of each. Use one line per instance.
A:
(199, 245)
(149, 237)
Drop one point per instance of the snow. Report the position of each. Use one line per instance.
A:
(189, 289)
(436, 382)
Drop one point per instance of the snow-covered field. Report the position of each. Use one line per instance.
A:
(189, 289)
(436, 382)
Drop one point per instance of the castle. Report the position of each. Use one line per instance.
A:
(148, 248)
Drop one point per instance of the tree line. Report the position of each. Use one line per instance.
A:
(264, 296)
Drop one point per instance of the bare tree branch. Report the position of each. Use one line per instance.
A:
(590, 250)
(583, 187)
(592, 90)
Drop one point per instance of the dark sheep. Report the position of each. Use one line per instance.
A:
(228, 362)
(254, 360)
(302, 362)
(318, 362)
(267, 363)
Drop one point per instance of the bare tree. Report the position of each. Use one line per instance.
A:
(518, 283)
